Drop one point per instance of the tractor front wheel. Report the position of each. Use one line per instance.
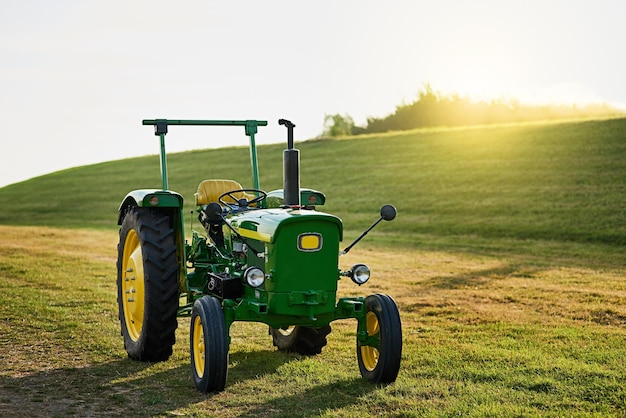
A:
(299, 339)
(147, 284)
(379, 354)
(208, 345)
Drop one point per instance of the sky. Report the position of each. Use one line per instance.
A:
(78, 76)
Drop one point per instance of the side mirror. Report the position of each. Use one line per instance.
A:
(388, 212)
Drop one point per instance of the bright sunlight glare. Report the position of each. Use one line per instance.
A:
(478, 76)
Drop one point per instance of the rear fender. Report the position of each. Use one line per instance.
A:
(150, 198)
(167, 201)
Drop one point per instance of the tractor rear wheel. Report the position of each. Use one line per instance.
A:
(379, 356)
(147, 284)
(299, 339)
(208, 345)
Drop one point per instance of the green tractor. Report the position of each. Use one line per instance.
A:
(263, 257)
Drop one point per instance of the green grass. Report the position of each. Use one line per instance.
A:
(482, 336)
(506, 261)
(562, 182)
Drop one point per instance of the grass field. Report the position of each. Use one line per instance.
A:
(483, 336)
(506, 261)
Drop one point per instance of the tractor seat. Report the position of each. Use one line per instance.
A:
(210, 190)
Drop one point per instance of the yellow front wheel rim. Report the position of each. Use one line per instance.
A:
(133, 285)
(369, 354)
(198, 347)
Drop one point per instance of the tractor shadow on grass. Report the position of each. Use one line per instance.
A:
(246, 365)
(126, 387)
(316, 400)
(266, 369)
(117, 388)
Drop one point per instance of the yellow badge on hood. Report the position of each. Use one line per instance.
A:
(310, 242)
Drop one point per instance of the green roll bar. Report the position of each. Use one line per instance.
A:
(160, 130)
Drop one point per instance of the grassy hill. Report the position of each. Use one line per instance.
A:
(506, 261)
(467, 187)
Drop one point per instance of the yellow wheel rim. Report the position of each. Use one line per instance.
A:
(198, 347)
(133, 285)
(369, 354)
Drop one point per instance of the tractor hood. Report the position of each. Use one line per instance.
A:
(265, 224)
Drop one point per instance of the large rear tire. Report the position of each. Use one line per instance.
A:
(379, 358)
(147, 284)
(299, 339)
(208, 345)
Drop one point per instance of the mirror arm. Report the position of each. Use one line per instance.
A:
(349, 247)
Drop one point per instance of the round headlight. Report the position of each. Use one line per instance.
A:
(254, 276)
(360, 274)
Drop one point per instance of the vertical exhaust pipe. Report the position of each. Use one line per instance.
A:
(291, 168)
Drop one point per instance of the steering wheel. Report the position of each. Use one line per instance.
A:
(261, 195)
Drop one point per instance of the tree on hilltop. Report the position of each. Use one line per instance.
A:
(338, 125)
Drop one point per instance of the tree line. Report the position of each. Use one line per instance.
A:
(432, 109)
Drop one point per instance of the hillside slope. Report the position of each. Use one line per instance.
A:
(556, 182)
